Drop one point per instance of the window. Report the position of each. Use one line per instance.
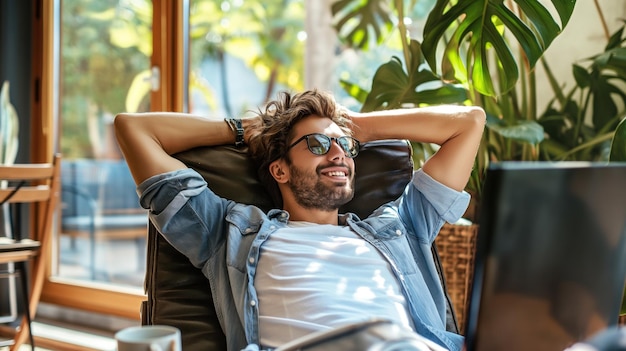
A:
(112, 56)
(214, 58)
(103, 67)
(243, 52)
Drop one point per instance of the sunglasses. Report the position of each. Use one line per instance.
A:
(319, 144)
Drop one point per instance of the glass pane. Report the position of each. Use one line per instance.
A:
(243, 52)
(104, 63)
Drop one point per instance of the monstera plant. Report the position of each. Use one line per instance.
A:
(475, 42)
(484, 52)
(474, 36)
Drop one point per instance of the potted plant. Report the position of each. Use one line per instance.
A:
(467, 57)
(395, 84)
(569, 128)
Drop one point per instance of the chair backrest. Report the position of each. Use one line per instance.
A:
(178, 293)
(36, 185)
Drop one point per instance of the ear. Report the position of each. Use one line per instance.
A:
(279, 171)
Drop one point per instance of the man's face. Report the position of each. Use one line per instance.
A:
(322, 182)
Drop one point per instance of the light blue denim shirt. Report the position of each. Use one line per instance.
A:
(223, 239)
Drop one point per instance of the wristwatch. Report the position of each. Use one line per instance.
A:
(237, 128)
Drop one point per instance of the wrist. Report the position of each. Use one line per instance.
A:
(236, 126)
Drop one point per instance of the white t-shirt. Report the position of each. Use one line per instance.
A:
(314, 277)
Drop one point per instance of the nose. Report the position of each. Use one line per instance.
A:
(336, 152)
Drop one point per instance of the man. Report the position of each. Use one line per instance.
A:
(304, 268)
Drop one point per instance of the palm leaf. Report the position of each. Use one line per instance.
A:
(361, 22)
(354, 90)
(393, 87)
(476, 29)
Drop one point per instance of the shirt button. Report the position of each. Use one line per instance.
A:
(248, 230)
(252, 303)
(272, 227)
(251, 260)
(398, 232)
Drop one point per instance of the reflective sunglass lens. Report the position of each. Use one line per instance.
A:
(319, 144)
(349, 145)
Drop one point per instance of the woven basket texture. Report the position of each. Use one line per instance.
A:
(457, 245)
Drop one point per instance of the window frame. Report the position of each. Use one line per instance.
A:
(168, 55)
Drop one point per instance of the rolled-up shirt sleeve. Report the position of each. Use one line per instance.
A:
(169, 191)
(185, 211)
(450, 204)
(427, 204)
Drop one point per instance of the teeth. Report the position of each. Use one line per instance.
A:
(337, 174)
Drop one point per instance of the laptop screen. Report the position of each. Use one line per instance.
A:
(551, 255)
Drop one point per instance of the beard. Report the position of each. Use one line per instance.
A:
(310, 192)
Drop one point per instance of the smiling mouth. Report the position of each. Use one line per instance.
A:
(337, 177)
(336, 174)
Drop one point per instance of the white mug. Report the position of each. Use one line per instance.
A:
(149, 338)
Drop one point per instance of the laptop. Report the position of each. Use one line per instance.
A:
(550, 260)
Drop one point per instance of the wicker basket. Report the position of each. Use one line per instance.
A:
(456, 245)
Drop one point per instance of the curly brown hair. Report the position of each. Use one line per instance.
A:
(269, 135)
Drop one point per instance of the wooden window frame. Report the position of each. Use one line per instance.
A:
(168, 55)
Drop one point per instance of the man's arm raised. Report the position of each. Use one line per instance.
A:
(148, 140)
(457, 129)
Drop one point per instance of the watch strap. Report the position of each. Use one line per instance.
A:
(237, 127)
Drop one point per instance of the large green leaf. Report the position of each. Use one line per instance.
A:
(521, 130)
(618, 145)
(357, 20)
(393, 87)
(607, 74)
(477, 41)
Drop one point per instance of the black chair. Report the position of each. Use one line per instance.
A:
(177, 292)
